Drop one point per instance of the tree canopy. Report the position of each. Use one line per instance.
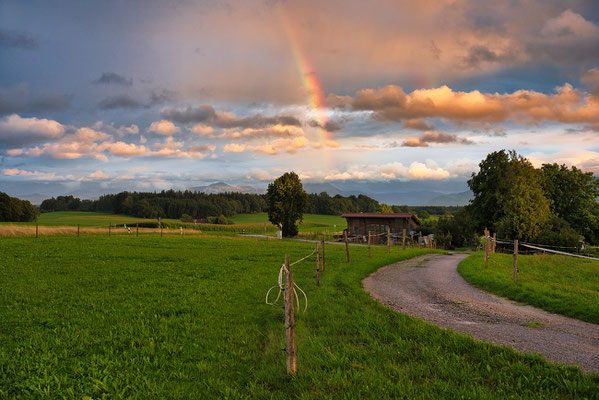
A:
(286, 200)
(16, 210)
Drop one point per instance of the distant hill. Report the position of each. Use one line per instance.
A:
(222, 187)
(318, 188)
(453, 199)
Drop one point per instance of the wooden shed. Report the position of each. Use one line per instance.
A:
(359, 224)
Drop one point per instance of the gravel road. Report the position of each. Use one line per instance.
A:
(430, 288)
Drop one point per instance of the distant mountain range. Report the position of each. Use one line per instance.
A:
(454, 199)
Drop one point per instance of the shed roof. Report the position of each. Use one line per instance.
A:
(379, 215)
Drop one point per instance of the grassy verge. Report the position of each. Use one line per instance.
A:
(560, 284)
(174, 317)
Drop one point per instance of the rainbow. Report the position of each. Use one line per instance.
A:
(310, 82)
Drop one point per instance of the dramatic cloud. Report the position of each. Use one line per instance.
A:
(207, 115)
(290, 146)
(480, 54)
(434, 137)
(19, 99)
(164, 127)
(121, 101)
(19, 40)
(567, 105)
(111, 78)
(15, 130)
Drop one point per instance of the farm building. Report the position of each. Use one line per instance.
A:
(359, 224)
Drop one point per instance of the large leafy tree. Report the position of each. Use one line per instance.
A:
(509, 196)
(286, 201)
(572, 195)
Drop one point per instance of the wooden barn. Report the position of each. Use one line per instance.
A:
(359, 224)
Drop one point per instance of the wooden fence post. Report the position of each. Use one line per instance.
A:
(369, 241)
(136, 230)
(388, 239)
(420, 239)
(109, 229)
(289, 320)
(515, 260)
(403, 244)
(494, 241)
(36, 231)
(77, 230)
(322, 253)
(487, 251)
(317, 265)
(411, 240)
(160, 229)
(346, 244)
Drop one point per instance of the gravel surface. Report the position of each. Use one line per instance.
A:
(430, 288)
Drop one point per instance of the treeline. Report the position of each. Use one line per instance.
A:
(16, 210)
(176, 204)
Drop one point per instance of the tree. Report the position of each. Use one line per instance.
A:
(384, 209)
(509, 196)
(572, 194)
(286, 201)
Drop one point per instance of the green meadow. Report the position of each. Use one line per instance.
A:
(185, 317)
(560, 284)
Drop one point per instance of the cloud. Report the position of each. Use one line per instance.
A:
(329, 126)
(418, 124)
(111, 78)
(15, 130)
(98, 175)
(591, 79)
(567, 38)
(162, 96)
(164, 127)
(480, 54)
(394, 170)
(566, 105)
(18, 40)
(202, 129)
(123, 149)
(434, 137)
(19, 100)
(120, 101)
(36, 175)
(234, 148)
(206, 114)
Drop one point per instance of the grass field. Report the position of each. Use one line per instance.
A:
(311, 222)
(171, 317)
(560, 284)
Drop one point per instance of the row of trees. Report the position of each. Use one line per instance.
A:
(552, 205)
(16, 210)
(175, 204)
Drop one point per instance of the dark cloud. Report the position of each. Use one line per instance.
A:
(435, 51)
(19, 100)
(434, 137)
(329, 126)
(111, 78)
(162, 96)
(122, 101)
(480, 54)
(19, 40)
(208, 115)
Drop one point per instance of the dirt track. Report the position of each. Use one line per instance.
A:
(434, 291)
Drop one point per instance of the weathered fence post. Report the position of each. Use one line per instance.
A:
(515, 260)
(346, 244)
(487, 251)
(369, 239)
(403, 244)
(317, 265)
(77, 230)
(109, 229)
(494, 242)
(420, 239)
(322, 253)
(388, 239)
(36, 231)
(289, 320)
(160, 229)
(136, 230)
(411, 240)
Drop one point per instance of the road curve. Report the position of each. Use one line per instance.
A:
(430, 288)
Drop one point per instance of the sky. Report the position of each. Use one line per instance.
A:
(98, 97)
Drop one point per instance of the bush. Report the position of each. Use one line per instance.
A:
(220, 220)
(186, 218)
